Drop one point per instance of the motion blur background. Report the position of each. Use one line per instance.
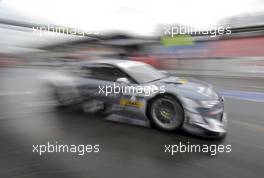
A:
(132, 30)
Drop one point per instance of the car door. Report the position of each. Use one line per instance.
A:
(131, 98)
(98, 83)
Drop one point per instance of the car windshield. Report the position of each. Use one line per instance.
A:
(144, 73)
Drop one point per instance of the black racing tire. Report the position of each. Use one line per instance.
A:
(166, 113)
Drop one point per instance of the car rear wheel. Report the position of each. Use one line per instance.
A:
(166, 113)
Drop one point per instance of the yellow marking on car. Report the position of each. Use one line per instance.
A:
(127, 102)
(183, 81)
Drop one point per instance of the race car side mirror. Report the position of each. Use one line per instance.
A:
(123, 80)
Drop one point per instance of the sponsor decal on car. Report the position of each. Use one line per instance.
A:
(183, 81)
(127, 102)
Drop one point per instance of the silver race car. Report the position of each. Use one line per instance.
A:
(135, 92)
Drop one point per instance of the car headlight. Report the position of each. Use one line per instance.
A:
(209, 103)
(204, 103)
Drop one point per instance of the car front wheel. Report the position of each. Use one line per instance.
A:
(166, 113)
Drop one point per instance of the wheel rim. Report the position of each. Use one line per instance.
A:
(164, 113)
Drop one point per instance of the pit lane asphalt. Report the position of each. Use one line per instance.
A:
(125, 150)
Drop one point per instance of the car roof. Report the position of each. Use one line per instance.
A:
(113, 62)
